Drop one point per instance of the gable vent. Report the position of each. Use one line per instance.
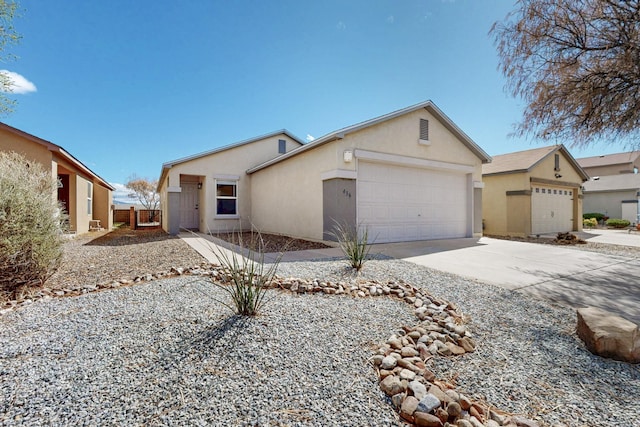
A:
(424, 132)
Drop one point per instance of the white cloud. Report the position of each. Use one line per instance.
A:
(18, 83)
(310, 138)
(391, 19)
(121, 194)
(341, 25)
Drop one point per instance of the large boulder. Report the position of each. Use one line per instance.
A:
(609, 336)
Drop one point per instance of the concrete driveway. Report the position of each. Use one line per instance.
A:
(568, 276)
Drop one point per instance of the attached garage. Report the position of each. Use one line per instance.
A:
(551, 209)
(399, 203)
(408, 175)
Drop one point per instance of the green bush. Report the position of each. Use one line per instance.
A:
(617, 223)
(31, 224)
(598, 216)
(354, 242)
(248, 276)
(590, 222)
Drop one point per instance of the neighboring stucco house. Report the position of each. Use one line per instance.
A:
(533, 192)
(611, 164)
(84, 195)
(614, 187)
(615, 196)
(408, 175)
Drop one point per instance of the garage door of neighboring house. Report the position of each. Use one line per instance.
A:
(189, 199)
(551, 209)
(400, 203)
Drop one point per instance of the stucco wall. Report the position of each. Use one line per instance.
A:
(609, 170)
(287, 197)
(31, 150)
(102, 201)
(607, 203)
(495, 209)
(233, 162)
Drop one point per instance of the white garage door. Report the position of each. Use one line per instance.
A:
(551, 209)
(399, 203)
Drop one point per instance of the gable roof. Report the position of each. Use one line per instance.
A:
(524, 161)
(168, 165)
(341, 133)
(626, 181)
(60, 151)
(609, 159)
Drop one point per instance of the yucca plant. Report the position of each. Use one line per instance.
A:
(248, 276)
(354, 242)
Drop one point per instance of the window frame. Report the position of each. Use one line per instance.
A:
(282, 146)
(89, 198)
(234, 183)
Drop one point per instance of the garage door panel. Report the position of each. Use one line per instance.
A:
(551, 210)
(418, 204)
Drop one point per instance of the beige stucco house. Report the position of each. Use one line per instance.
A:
(211, 191)
(84, 195)
(614, 187)
(408, 175)
(533, 192)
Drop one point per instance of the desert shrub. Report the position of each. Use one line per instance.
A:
(354, 242)
(590, 222)
(598, 216)
(248, 275)
(617, 223)
(31, 224)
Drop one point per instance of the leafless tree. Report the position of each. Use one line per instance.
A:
(144, 190)
(576, 64)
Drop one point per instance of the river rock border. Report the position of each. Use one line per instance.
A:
(401, 362)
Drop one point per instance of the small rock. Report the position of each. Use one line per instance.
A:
(388, 362)
(475, 422)
(408, 407)
(377, 360)
(408, 375)
(397, 399)
(467, 344)
(500, 419)
(409, 352)
(428, 403)
(524, 422)
(418, 389)
(441, 395)
(392, 385)
(423, 419)
(395, 343)
(454, 410)
(464, 402)
(456, 350)
(58, 293)
(463, 423)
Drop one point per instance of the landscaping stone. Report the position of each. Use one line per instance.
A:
(608, 335)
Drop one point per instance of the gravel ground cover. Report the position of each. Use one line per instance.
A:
(529, 359)
(165, 353)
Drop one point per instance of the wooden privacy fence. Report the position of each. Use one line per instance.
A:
(141, 218)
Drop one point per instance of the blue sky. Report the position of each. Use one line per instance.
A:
(126, 85)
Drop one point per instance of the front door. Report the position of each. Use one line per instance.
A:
(189, 204)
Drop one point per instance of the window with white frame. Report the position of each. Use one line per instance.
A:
(89, 198)
(226, 197)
